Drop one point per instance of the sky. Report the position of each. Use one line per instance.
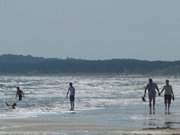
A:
(91, 29)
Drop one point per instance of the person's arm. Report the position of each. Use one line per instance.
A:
(172, 93)
(67, 93)
(158, 90)
(162, 90)
(145, 90)
(16, 94)
(7, 104)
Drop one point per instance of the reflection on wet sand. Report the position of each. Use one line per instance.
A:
(161, 124)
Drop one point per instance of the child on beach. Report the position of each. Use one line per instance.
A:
(168, 96)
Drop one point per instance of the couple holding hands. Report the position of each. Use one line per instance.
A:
(168, 95)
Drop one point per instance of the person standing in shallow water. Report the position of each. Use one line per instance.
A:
(151, 87)
(71, 93)
(19, 93)
(168, 96)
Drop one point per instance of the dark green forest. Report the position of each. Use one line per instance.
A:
(19, 64)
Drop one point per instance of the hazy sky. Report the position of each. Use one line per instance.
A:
(91, 29)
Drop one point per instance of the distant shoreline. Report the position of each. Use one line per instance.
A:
(29, 65)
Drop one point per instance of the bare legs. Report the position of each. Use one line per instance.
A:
(167, 106)
(72, 105)
(152, 103)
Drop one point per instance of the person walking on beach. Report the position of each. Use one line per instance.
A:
(151, 87)
(19, 93)
(71, 93)
(168, 96)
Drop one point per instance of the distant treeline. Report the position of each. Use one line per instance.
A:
(19, 64)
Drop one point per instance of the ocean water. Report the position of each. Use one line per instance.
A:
(101, 99)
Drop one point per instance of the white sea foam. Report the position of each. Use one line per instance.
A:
(46, 94)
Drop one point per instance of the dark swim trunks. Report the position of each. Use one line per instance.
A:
(167, 98)
(20, 97)
(72, 98)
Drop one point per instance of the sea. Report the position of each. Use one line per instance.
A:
(101, 99)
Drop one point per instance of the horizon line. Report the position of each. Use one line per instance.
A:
(75, 58)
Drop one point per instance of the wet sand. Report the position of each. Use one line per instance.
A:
(107, 121)
(38, 126)
(95, 122)
(46, 126)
